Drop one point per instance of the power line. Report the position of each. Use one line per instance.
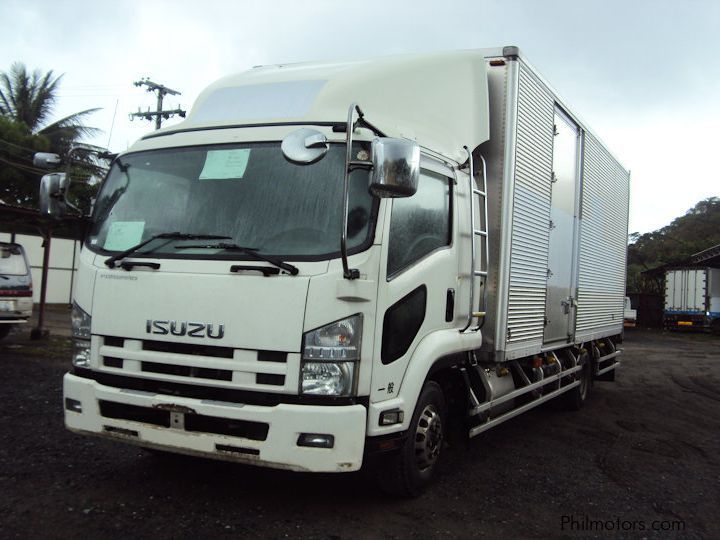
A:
(18, 146)
(25, 168)
(161, 91)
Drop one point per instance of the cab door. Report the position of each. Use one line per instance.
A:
(418, 275)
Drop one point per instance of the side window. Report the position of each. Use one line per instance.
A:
(421, 223)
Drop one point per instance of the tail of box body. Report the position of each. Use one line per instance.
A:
(692, 299)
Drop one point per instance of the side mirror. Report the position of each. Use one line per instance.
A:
(53, 188)
(44, 160)
(396, 167)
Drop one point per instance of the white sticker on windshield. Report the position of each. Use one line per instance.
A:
(123, 235)
(225, 164)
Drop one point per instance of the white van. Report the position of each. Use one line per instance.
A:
(16, 293)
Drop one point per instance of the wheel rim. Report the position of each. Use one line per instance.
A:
(428, 437)
(584, 381)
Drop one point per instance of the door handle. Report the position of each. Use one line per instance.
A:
(450, 305)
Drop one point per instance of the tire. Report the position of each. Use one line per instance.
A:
(408, 471)
(716, 327)
(5, 330)
(576, 398)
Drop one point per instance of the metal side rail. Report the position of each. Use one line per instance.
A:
(527, 406)
(605, 359)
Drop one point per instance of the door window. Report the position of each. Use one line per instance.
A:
(420, 224)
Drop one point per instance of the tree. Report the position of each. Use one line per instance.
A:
(19, 179)
(27, 100)
(691, 233)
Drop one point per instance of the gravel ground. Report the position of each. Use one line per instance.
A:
(643, 453)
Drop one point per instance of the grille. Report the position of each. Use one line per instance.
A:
(109, 361)
(174, 351)
(185, 348)
(188, 371)
(269, 378)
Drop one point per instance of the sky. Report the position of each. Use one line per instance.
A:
(644, 75)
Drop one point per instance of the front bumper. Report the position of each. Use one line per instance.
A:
(258, 435)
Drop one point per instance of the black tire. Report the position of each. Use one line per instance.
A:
(716, 327)
(5, 330)
(576, 398)
(408, 471)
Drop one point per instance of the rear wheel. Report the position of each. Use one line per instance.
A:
(576, 398)
(408, 471)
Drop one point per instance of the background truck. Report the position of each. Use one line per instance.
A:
(16, 301)
(629, 314)
(328, 265)
(692, 299)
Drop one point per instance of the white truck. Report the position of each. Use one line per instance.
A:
(326, 264)
(629, 314)
(692, 299)
(16, 292)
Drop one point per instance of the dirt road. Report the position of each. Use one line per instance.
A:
(643, 454)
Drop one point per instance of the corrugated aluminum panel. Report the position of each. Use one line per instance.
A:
(531, 213)
(603, 242)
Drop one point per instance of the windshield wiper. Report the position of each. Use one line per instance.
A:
(252, 252)
(110, 262)
(3, 276)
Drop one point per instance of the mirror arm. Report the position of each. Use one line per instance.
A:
(361, 122)
(364, 165)
(348, 273)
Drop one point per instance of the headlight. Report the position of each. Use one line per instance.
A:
(330, 355)
(81, 337)
(80, 323)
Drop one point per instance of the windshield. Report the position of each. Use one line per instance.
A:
(248, 193)
(12, 261)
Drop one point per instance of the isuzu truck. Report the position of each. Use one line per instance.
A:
(328, 264)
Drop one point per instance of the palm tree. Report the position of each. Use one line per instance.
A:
(27, 101)
(29, 98)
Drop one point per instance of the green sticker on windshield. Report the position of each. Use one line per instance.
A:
(123, 235)
(225, 164)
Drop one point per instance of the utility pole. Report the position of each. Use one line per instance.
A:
(159, 114)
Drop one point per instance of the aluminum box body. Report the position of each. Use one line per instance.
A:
(557, 219)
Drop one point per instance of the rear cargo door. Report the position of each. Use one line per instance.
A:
(694, 288)
(559, 302)
(686, 290)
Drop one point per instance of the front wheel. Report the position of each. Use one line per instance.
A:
(410, 470)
